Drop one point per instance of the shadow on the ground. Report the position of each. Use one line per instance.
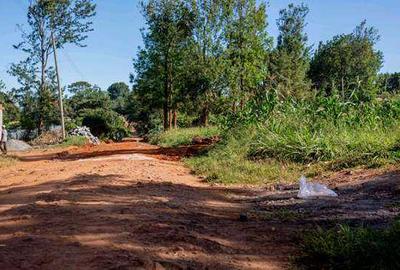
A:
(372, 201)
(169, 153)
(94, 221)
(87, 222)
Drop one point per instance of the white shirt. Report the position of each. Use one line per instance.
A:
(4, 135)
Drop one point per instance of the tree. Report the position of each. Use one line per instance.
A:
(348, 63)
(88, 99)
(117, 90)
(169, 26)
(290, 60)
(146, 99)
(247, 46)
(50, 23)
(11, 113)
(204, 77)
(119, 93)
(38, 108)
(77, 87)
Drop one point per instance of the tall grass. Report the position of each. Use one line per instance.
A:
(308, 137)
(353, 133)
(351, 248)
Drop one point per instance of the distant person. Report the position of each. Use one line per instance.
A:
(3, 140)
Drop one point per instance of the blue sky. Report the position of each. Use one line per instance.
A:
(113, 44)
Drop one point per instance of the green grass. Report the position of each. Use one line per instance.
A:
(351, 248)
(304, 139)
(74, 141)
(294, 138)
(227, 163)
(182, 136)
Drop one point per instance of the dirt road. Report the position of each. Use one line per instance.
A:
(127, 206)
(134, 206)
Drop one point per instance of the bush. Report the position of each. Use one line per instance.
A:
(105, 124)
(182, 136)
(351, 248)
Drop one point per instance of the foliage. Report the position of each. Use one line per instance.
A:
(159, 64)
(349, 248)
(204, 76)
(247, 44)
(119, 93)
(208, 56)
(11, 112)
(182, 136)
(348, 64)
(290, 60)
(64, 22)
(308, 137)
(105, 124)
(389, 82)
(80, 86)
(87, 99)
(327, 129)
(228, 163)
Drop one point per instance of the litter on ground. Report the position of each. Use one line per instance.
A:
(311, 190)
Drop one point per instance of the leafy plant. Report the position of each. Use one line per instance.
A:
(351, 248)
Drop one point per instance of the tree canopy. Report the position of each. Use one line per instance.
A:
(348, 64)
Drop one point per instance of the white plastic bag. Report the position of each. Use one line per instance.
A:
(310, 190)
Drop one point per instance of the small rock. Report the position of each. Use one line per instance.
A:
(243, 217)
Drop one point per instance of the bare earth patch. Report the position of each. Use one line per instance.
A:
(133, 206)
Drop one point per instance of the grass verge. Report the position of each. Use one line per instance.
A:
(182, 136)
(351, 248)
(74, 141)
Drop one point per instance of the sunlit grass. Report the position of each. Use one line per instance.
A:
(6, 161)
(183, 136)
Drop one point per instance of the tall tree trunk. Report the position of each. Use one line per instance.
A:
(204, 116)
(170, 119)
(41, 92)
(175, 118)
(166, 95)
(60, 97)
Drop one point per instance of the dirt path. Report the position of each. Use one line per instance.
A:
(128, 206)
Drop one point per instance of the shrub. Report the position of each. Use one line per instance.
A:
(105, 124)
(351, 248)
